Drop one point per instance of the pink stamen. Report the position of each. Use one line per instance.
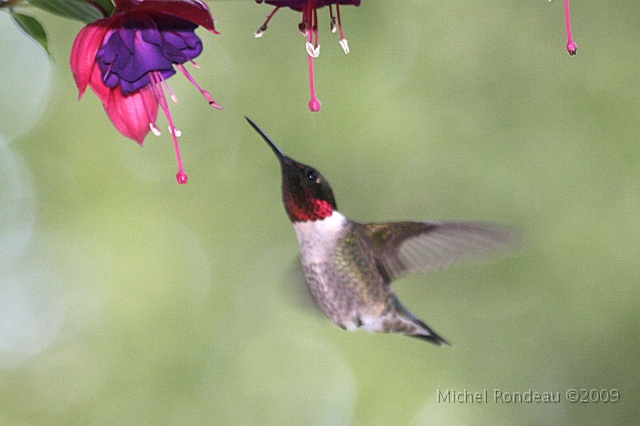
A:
(263, 28)
(150, 117)
(314, 103)
(315, 27)
(343, 41)
(173, 97)
(157, 80)
(308, 15)
(302, 27)
(206, 94)
(339, 21)
(332, 19)
(154, 129)
(572, 47)
(106, 74)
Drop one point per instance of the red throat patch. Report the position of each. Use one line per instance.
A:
(315, 210)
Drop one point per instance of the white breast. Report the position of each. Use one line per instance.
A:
(318, 237)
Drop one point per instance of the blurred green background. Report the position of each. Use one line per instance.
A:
(126, 298)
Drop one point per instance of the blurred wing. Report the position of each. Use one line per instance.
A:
(406, 247)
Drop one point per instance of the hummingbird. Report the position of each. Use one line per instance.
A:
(349, 266)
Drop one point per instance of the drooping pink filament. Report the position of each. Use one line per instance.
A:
(310, 18)
(156, 80)
(263, 28)
(572, 47)
(343, 41)
(339, 21)
(205, 93)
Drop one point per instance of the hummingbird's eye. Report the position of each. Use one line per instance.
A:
(312, 175)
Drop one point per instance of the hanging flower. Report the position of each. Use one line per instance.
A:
(572, 47)
(127, 58)
(309, 28)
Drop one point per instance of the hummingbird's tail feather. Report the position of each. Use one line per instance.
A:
(401, 320)
(401, 323)
(430, 335)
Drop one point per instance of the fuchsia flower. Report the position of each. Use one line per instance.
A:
(127, 58)
(309, 28)
(572, 47)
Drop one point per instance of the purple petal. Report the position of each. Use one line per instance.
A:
(151, 35)
(144, 44)
(181, 46)
(127, 38)
(111, 80)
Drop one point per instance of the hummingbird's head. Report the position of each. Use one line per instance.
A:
(306, 193)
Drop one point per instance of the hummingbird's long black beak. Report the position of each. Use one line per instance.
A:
(268, 140)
